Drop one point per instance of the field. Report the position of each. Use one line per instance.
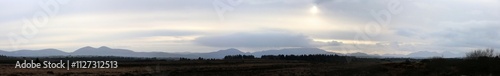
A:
(254, 67)
(270, 67)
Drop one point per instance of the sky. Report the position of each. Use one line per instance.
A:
(182, 26)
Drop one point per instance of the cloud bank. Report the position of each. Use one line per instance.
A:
(255, 40)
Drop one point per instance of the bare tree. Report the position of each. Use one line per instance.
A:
(479, 53)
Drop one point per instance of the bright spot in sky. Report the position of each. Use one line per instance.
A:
(314, 10)
(314, 19)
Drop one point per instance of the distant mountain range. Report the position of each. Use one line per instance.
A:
(106, 51)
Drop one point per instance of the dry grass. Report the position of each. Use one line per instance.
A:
(432, 67)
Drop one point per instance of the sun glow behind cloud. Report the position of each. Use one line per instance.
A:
(314, 10)
(126, 29)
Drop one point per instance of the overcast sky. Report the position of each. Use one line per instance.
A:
(344, 26)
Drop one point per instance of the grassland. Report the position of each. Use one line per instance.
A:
(269, 67)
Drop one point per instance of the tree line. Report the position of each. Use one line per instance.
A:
(309, 57)
(239, 57)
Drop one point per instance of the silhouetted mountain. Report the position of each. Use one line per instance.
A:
(424, 54)
(394, 55)
(295, 51)
(3, 52)
(106, 51)
(43, 52)
(445, 54)
(103, 51)
(221, 53)
(364, 55)
(163, 54)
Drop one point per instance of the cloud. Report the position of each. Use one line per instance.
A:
(335, 43)
(477, 34)
(176, 25)
(350, 10)
(255, 40)
(160, 33)
(422, 25)
(405, 32)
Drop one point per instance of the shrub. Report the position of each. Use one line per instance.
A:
(479, 53)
